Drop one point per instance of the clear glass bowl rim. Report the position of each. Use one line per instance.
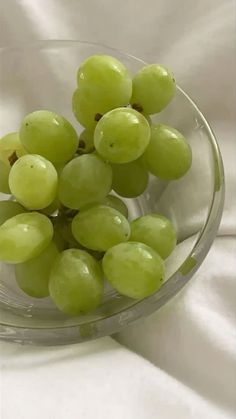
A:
(114, 323)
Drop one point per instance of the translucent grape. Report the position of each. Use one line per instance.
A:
(33, 276)
(100, 228)
(65, 239)
(4, 177)
(8, 144)
(104, 84)
(116, 203)
(155, 231)
(86, 143)
(106, 78)
(84, 180)
(153, 89)
(133, 269)
(50, 135)
(168, 155)
(9, 209)
(110, 201)
(10, 147)
(122, 135)
(24, 237)
(76, 284)
(21, 152)
(84, 110)
(129, 180)
(33, 181)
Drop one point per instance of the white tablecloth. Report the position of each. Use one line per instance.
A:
(179, 363)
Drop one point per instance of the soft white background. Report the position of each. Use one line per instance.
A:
(185, 361)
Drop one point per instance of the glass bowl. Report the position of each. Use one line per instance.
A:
(42, 75)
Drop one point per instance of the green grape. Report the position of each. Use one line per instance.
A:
(33, 181)
(122, 135)
(148, 118)
(100, 228)
(155, 231)
(9, 209)
(59, 167)
(133, 269)
(50, 135)
(4, 177)
(76, 284)
(24, 237)
(168, 155)
(84, 110)
(129, 180)
(84, 180)
(116, 203)
(10, 147)
(110, 201)
(8, 144)
(86, 143)
(33, 276)
(64, 237)
(106, 79)
(103, 84)
(21, 152)
(153, 89)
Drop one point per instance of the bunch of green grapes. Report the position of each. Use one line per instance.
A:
(65, 225)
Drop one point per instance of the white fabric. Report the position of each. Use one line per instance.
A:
(190, 344)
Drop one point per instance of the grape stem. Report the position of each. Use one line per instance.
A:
(12, 158)
(97, 117)
(82, 144)
(69, 213)
(137, 107)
